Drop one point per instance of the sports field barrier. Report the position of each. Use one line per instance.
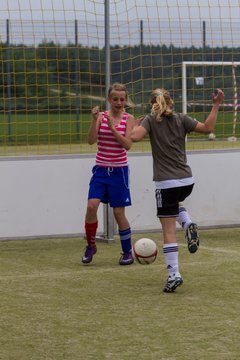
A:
(45, 196)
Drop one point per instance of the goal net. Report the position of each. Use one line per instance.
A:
(199, 78)
(57, 58)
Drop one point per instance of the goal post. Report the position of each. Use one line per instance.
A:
(186, 64)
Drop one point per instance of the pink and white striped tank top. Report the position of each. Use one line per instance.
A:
(110, 153)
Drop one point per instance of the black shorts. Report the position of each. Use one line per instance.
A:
(168, 200)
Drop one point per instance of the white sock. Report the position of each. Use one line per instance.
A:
(183, 218)
(170, 252)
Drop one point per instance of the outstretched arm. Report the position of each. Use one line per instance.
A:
(138, 132)
(209, 124)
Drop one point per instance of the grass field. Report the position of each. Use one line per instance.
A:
(47, 134)
(55, 308)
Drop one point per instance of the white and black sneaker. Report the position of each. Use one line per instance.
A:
(172, 283)
(192, 237)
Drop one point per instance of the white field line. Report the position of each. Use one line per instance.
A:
(85, 268)
(215, 249)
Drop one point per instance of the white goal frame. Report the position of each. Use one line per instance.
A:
(199, 63)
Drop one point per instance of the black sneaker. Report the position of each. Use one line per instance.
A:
(88, 254)
(192, 237)
(173, 283)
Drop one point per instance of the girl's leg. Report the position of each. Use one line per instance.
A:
(170, 246)
(125, 235)
(91, 221)
(91, 224)
(183, 218)
(170, 251)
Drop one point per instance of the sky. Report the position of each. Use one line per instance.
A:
(176, 9)
(164, 21)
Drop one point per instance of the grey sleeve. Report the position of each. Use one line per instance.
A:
(189, 123)
(146, 123)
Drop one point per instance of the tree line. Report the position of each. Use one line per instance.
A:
(51, 76)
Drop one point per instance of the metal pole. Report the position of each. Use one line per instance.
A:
(9, 84)
(107, 49)
(204, 68)
(108, 218)
(184, 88)
(77, 80)
(142, 67)
(141, 32)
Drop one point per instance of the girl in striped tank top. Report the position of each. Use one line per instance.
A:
(110, 175)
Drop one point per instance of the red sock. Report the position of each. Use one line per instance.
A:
(90, 230)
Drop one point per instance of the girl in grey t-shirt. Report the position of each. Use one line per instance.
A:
(172, 175)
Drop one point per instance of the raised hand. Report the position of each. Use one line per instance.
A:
(95, 112)
(218, 98)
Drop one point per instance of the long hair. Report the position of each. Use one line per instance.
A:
(162, 104)
(120, 87)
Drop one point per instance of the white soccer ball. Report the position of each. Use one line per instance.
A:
(145, 251)
(211, 136)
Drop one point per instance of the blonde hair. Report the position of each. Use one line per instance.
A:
(162, 104)
(120, 87)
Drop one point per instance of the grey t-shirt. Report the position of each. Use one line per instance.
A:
(168, 145)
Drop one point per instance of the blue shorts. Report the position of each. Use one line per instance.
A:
(110, 185)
